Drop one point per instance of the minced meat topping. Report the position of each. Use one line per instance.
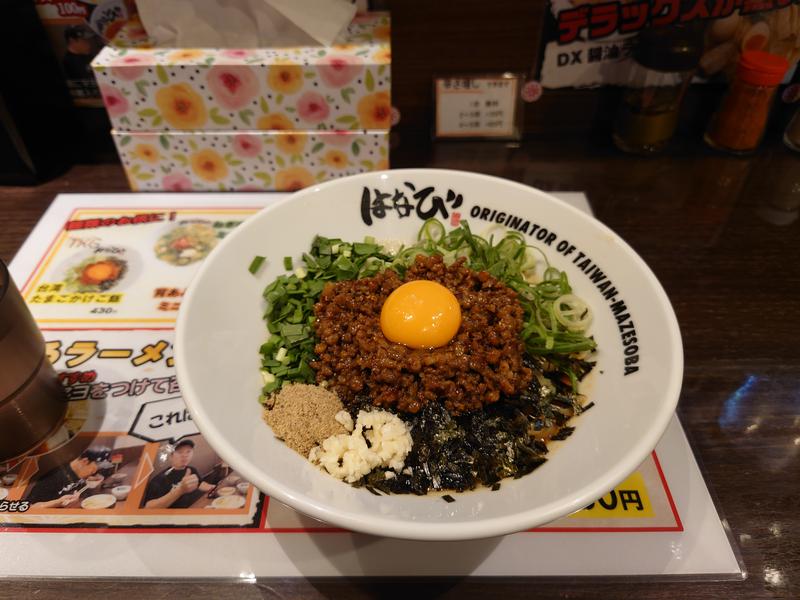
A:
(482, 362)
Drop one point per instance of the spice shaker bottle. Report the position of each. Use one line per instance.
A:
(739, 123)
(791, 137)
(665, 60)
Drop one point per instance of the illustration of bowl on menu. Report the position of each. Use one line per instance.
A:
(228, 502)
(94, 481)
(9, 479)
(98, 502)
(118, 478)
(242, 487)
(226, 491)
(121, 492)
(97, 273)
(186, 243)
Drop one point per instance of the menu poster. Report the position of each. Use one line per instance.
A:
(106, 292)
(129, 458)
(128, 454)
(589, 44)
(474, 106)
(120, 267)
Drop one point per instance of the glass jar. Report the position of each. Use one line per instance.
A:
(739, 123)
(791, 137)
(664, 62)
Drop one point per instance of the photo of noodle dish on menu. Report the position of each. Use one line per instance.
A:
(428, 354)
(186, 243)
(106, 268)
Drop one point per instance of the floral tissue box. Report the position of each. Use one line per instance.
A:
(252, 161)
(345, 86)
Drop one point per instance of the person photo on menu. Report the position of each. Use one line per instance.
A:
(59, 488)
(179, 485)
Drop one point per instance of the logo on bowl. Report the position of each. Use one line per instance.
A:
(425, 202)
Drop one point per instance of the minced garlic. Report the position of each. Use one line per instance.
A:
(379, 439)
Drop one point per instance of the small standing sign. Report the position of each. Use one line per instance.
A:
(478, 106)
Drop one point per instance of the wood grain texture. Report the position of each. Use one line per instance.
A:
(705, 224)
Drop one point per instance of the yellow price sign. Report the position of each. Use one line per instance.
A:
(629, 500)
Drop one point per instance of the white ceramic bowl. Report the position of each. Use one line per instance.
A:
(121, 492)
(94, 481)
(228, 502)
(98, 502)
(220, 329)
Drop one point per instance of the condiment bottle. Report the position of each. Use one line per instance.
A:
(665, 60)
(791, 137)
(741, 119)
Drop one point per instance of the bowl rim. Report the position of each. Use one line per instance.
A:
(484, 528)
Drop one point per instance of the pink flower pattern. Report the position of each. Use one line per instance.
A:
(238, 53)
(176, 182)
(312, 107)
(247, 146)
(129, 67)
(338, 70)
(233, 86)
(116, 103)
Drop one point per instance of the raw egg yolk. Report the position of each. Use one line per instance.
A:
(421, 314)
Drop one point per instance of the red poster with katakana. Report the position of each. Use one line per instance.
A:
(590, 43)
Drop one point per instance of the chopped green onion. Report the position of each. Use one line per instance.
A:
(271, 387)
(255, 265)
(555, 320)
(431, 230)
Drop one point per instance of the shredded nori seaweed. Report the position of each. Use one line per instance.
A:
(504, 439)
(372, 490)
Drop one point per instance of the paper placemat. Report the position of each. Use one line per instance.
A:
(104, 275)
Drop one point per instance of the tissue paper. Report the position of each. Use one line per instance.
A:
(244, 23)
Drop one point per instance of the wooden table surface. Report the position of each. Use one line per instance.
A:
(723, 237)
